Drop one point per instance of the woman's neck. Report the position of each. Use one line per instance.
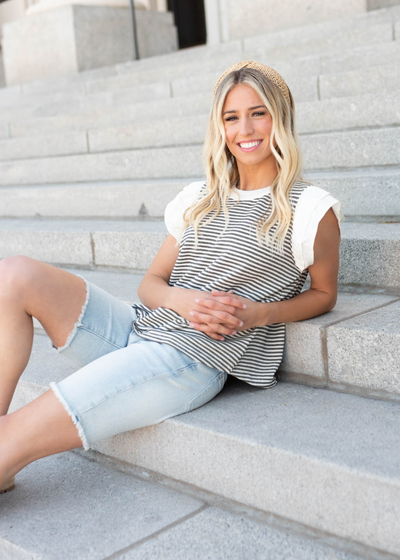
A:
(254, 179)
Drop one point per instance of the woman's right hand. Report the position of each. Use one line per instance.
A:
(222, 319)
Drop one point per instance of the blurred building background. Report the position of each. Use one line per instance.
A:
(50, 38)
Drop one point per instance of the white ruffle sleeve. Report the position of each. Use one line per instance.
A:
(312, 206)
(173, 214)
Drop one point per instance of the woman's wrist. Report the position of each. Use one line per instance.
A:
(266, 314)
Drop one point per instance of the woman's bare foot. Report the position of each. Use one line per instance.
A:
(8, 486)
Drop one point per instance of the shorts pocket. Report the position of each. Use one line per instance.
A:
(209, 392)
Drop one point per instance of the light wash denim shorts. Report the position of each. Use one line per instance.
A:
(125, 381)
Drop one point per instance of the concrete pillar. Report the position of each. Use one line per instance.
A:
(73, 38)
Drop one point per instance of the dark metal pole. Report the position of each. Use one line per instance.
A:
(134, 31)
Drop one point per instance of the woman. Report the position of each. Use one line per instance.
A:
(215, 300)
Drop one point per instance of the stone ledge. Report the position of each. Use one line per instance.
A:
(334, 456)
(312, 347)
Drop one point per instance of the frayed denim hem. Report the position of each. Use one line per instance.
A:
(81, 433)
(79, 321)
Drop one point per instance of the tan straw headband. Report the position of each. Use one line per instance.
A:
(268, 72)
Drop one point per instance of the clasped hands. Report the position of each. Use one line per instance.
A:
(218, 313)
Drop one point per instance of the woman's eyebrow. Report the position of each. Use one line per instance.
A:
(250, 109)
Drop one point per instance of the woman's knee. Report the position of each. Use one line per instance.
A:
(16, 273)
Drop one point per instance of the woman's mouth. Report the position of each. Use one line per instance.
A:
(249, 146)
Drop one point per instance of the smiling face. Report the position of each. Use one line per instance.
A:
(248, 126)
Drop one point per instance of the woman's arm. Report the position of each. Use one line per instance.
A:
(320, 298)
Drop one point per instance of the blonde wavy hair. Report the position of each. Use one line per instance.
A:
(221, 166)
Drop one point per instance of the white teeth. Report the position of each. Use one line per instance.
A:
(249, 144)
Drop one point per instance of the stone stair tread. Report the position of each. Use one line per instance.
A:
(355, 325)
(134, 226)
(350, 230)
(370, 252)
(299, 77)
(371, 113)
(125, 514)
(321, 152)
(342, 445)
(364, 109)
(362, 192)
(319, 30)
(66, 503)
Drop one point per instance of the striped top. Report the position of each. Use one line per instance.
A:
(234, 260)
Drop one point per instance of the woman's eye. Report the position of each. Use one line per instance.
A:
(253, 114)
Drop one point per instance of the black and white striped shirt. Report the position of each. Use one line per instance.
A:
(234, 260)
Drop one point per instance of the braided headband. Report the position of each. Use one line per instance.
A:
(268, 72)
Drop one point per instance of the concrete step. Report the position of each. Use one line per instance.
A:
(340, 150)
(133, 513)
(333, 42)
(313, 116)
(363, 193)
(127, 244)
(337, 472)
(43, 146)
(305, 88)
(301, 75)
(182, 63)
(335, 32)
(315, 348)
(383, 79)
(205, 53)
(155, 163)
(370, 252)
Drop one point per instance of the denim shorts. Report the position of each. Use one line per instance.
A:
(125, 381)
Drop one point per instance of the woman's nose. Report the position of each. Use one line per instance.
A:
(246, 126)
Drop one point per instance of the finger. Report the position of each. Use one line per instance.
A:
(215, 327)
(215, 304)
(203, 327)
(225, 318)
(228, 300)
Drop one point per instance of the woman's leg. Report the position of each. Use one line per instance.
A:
(139, 385)
(39, 429)
(56, 297)
(30, 288)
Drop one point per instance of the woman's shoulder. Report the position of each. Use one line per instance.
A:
(309, 197)
(305, 190)
(173, 214)
(312, 203)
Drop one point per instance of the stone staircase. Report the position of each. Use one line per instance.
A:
(87, 165)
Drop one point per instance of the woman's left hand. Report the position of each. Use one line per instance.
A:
(208, 308)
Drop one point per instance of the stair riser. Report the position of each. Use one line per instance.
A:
(375, 195)
(70, 104)
(352, 149)
(319, 116)
(373, 262)
(301, 77)
(383, 79)
(360, 353)
(342, 40)
(337, 30)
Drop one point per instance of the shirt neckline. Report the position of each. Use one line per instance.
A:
(250, 195)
